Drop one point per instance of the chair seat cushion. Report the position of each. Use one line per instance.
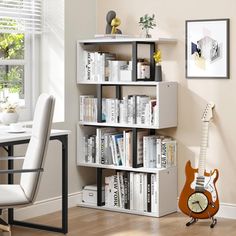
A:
(12, 195)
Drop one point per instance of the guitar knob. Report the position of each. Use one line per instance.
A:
(212, 204)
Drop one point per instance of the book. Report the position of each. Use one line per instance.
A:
(131, 188)
(115, 191)
(140, 135)
(126, 190)
(83, 106)
(149, 203)
(154, 202)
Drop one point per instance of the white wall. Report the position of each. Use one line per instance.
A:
(193, 94)
(52, 79)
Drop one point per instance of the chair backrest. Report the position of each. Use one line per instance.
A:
(37, 148)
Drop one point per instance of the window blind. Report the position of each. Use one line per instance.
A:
(21, 16)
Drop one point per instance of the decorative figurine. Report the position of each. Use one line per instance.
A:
(112, 23)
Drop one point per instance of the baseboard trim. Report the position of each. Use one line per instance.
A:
(227, 210)
(46, 206)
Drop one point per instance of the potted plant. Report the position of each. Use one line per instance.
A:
(9, 113)
(147, 22)
(158, 71)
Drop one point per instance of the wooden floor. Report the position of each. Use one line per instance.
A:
(86, 222)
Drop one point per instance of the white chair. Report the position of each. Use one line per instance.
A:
(18, 195)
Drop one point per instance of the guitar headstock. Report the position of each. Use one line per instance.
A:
(207, 114)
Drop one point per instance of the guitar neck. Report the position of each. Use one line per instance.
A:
(203, 148)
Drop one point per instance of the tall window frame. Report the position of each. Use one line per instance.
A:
(28, 17)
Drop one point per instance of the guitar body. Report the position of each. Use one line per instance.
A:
(210, 192)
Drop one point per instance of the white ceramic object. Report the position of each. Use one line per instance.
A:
(8, 118)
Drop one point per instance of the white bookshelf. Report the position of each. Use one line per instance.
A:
(166, 96)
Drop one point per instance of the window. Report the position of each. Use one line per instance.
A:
(20, 27)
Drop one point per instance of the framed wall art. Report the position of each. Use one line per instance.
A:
(207, 49)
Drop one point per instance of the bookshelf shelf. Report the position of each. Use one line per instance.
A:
(166, 102)
(108, 83)
(118, 125)
(113, 167)
(127, 40)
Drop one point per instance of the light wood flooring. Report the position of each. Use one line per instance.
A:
(86, 222)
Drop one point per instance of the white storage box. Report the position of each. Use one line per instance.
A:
(90, 194)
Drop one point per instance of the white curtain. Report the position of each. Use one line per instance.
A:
(21, 16)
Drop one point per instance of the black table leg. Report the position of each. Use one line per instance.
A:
(10, 150)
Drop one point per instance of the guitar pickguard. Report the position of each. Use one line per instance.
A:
(208, 185)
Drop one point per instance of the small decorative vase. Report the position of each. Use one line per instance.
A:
(158, 73)
(9, 117)
(147, 35)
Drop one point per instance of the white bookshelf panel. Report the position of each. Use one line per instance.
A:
(125, 125)
(128, 40)
(166, 96)
(127, 211)
(124, 168)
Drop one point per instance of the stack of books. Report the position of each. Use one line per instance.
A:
(132, 190)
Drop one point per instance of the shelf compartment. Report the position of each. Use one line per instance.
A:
(166, 196)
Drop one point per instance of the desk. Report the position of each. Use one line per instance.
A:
(8, 141)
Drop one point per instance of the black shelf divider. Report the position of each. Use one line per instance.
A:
(99, 102)
(99, 187)
(118, 92)
(134, 146)
(134, 60)
(152, 61)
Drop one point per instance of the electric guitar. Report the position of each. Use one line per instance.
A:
(199, 197)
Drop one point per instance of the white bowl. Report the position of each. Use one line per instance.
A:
(8, 118)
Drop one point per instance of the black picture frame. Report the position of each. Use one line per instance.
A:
(207, 49)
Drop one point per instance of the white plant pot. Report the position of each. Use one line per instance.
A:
(8, 118)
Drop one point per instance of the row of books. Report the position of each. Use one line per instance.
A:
(88, 108)
(95, 65)
(103, 66)
(132, 109)
(111, 147)
(132, 190)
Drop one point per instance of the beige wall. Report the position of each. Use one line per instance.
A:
(193, 94)
(79, 22)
